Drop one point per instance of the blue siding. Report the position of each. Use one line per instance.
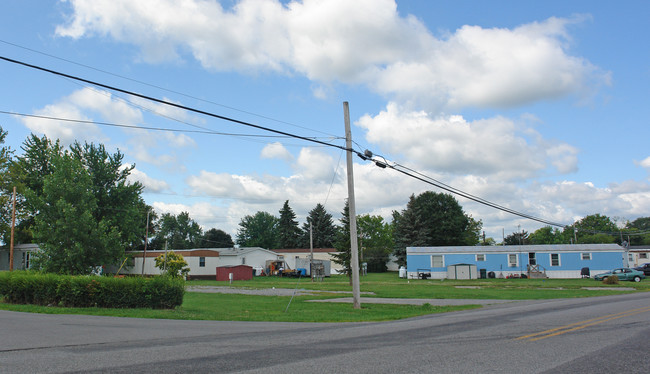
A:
(569, 261)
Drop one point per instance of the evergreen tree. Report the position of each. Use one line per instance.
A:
(289, 234)
(323, 228)
(342, 244)
(430, 219)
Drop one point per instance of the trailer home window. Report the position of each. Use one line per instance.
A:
(437, 261)
(643, 255)
(480, 257)
(202, 262)
(586, 256)
(512, 260)
(555, 259)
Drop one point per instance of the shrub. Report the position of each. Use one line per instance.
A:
(24, 287)
(172, 264)
(611, 280)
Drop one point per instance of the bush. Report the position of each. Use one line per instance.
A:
(25, 287)
(611, 280)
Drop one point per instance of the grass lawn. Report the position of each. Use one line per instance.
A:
(235, 307)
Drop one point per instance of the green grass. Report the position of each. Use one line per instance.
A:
(235, 307)
(388, 285)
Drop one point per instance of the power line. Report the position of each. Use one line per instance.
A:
(190, 109)
(162, 88)
(151, 128)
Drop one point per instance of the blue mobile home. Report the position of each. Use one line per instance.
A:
(553, 261)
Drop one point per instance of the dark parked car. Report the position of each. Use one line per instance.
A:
(645, 268)
(624, 274)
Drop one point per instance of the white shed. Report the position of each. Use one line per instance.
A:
(462, 271)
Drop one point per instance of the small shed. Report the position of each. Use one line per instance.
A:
(462, 271)
(239, 272)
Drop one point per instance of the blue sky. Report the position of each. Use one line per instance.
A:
(537, 106)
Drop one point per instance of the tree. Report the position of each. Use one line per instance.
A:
(323, 228)
(594, 228)
(546, 235)
(215, 238)
(289, 234)
(119, 201)
(342, 243)
(473, 231)
(430, 219)
(172, 264)
(180, 232)
(71, 238)
(27, 173)
(517, 238)
(375, 242)
(6, 189)
(638, 227)
(259, 230)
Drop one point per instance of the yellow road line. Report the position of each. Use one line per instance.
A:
(581, 325)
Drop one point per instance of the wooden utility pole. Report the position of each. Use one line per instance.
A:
(13, 225)
(146, 240)
(354, 248)
(311, 252)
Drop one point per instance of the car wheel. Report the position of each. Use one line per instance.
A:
(604, 279)
(637, 279)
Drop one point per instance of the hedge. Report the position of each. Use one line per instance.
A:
(26, 287)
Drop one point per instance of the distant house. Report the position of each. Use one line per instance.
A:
(22, 256)
(294, 256)
(639, 255)
(203, 262)
(553, 261)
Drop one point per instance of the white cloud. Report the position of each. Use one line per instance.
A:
(645, 163)
(276, 150)
(450, 144)
(360, 42)
(78, 106)
(150, 184)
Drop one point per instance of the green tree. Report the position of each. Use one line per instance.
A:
(179, 232)
(259, 230)
(324, 231)
(517, 238)
(430, 219)
(473, 231)
(119, 202)
(546, 235)
(215, 238)
(342, 243)
(27, 172)
(72, 239)
(594, 228)
(375, 242)
(172, 264)
(289, 234)
(640, 227)
(6, 189)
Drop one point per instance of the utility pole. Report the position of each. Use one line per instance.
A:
(354, 248)
(146, 240)
(13, 224)
(311, 252)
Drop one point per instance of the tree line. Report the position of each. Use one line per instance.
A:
(79, 206)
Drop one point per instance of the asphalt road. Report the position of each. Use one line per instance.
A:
(590, 335)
